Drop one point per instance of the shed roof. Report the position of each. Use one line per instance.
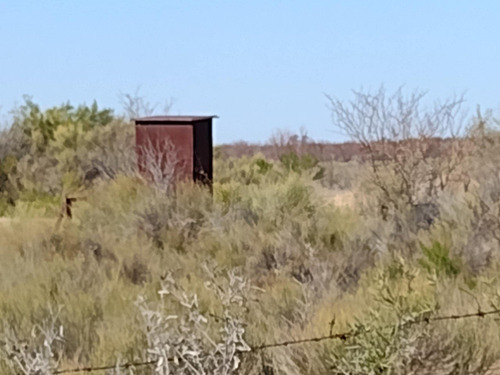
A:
(171, 119)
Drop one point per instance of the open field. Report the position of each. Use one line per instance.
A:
(291, 265)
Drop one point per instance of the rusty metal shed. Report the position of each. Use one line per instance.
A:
(189, 137)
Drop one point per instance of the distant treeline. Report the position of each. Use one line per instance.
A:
(323, 151)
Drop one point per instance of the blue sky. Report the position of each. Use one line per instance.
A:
(259, 65)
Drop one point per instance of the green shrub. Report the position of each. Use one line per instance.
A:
(437, 259)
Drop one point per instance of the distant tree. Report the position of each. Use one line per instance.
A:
(41, 146)
(415, 151)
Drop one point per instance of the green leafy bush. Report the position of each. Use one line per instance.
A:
(437, 259)
(301, 163)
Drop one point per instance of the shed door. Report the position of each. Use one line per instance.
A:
(165, 151)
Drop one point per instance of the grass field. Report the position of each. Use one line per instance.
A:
(286, 248)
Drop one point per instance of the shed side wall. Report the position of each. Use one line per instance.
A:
(203, 165)
(167, 147)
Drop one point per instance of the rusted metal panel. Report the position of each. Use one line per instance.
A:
(165, 148)
(187, 140)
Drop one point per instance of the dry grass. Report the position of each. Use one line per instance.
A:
(341, 198)
(305, 247)
(308, 237)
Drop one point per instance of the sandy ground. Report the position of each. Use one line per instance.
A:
(5, 220)
(342, 198)
(8, 222)
(494, 369)
(5, 225)
(339, 198)
(14, 232)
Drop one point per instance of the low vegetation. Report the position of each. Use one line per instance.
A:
(289, 246)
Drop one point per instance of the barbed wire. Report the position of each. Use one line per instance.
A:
(106, 367)
(333, 336)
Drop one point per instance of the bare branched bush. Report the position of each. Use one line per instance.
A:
(485, 169)
(186, 343)
(111, 153)
(136, 105)
(482, 208)
(414, 151)
(38, 355)
(160, 163)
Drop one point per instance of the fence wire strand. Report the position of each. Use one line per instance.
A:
(335, 336)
